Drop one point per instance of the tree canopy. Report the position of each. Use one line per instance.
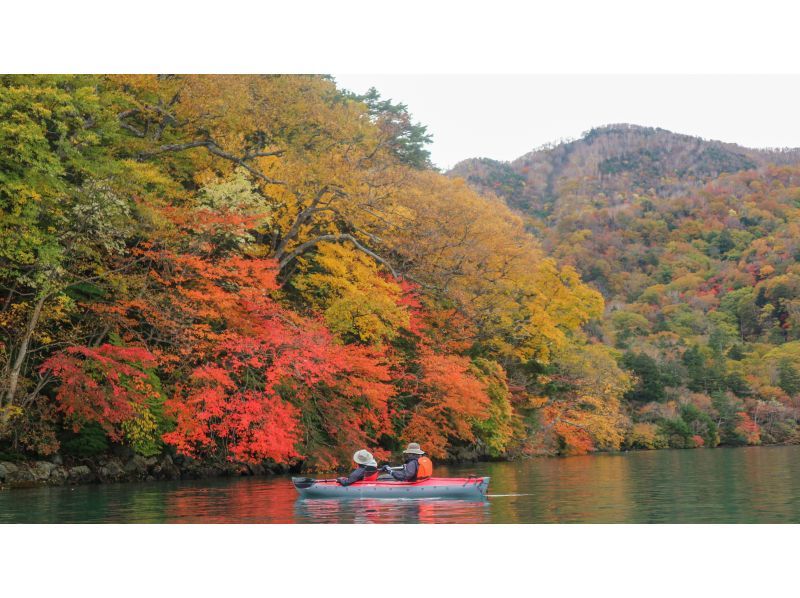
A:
(266, 268)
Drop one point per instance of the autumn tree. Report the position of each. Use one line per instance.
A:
(67, 212)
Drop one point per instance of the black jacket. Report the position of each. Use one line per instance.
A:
(358, 474)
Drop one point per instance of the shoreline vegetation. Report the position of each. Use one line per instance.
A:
(128, 467)
(250, 270)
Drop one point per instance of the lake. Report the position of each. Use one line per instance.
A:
(741, 485)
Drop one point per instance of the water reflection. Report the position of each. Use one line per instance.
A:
(311, 510)
(700, 486)
(240, 501)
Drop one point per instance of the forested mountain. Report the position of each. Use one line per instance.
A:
(695, 247)
(613, 161)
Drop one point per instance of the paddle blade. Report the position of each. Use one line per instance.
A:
(303, 483)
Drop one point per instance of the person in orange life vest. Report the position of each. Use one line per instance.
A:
(417, 465)
(366, 469)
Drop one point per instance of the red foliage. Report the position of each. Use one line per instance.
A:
(249, 400)
(101, 384)
(250, 380)
(252, 425)
(748, 428)
(255, 367)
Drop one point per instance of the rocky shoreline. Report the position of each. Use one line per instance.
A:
(123, 465)
(61, 471)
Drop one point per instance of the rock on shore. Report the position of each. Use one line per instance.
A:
(58, 470)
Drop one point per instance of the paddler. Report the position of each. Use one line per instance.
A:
(366, 469)
(417, 466)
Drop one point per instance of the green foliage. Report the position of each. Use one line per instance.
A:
(12, 456)
(651, 380)
(144, 432)
(497, 430)
(677, 433)
(89, 441)
(700, 424)
(628, 324)
(406, 138)
(788, 377)
(705, 374)
(728, 409)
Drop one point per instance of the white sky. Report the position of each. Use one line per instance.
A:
(505, 116)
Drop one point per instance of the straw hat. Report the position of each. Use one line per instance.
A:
(413, 448)
(364, 457)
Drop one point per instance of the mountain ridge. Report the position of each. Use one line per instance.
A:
(614, 159)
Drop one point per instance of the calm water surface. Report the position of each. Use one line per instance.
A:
(745, 485)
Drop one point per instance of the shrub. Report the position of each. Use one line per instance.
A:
(645, 436)
(89, 441)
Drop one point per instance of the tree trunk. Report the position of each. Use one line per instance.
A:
(19, 360)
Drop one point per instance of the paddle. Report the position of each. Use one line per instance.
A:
(304, 483)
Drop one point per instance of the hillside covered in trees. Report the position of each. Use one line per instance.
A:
(266, 269)
(695, 247)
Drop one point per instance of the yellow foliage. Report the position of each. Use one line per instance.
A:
(593, 404)
(481, 258)
(141, 432)
(8, 413)
(645, 436)
(358, 302)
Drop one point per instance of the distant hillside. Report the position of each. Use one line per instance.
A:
(695, 246)
(614, 160)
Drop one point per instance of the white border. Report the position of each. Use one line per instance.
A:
(631, 36)
(412, 36)
(348, 560)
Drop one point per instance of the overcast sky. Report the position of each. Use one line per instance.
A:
(505, 116)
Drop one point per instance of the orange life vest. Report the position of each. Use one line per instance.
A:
(368, 477)
(424, 468)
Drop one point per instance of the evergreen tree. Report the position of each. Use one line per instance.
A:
(788, 377)
(650, 379)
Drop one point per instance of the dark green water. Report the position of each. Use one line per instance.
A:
(745, 485)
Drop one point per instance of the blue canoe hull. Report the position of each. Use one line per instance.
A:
(466, 488)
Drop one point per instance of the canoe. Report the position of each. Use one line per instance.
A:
(470, 488)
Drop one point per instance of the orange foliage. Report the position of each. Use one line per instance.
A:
(748, 428)
(450, 398)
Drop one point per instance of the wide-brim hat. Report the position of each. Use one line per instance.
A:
(414, 449)
(364, 457)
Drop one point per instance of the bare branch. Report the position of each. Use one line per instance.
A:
(276, 153)
(175, 147)
(301, 219)
(303, 247)
(127, 126)
(169, 119)
(213, 148)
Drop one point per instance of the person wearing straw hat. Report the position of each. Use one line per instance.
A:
(417, 466)
(366, 469)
